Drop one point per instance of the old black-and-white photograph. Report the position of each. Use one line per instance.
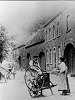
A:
(37, 50)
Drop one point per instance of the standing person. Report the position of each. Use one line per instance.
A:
(63, 79)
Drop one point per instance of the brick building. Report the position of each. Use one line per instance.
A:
(60, 40)
(55, 39)
(36, 47)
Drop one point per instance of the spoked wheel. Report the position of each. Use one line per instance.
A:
(30, 80)
(29, 77)
(33, 90)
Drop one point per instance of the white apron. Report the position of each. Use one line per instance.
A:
(62, 83)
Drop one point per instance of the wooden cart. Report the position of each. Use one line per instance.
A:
(36, 83)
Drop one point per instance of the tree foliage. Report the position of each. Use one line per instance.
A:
(5, 43)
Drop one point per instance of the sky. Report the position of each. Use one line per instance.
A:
(18, 16)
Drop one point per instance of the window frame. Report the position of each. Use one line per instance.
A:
(59, 53)
(67, 22)
(50, 34)
(58, 29)
(54, 32)
(54, 57)
(47, 36)
(47, 57)
(50, 56)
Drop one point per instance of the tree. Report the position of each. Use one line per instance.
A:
(5, 44)
(2, 41)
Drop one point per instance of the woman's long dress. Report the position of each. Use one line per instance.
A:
(62, 77)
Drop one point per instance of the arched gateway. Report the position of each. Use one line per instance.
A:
(69, 54)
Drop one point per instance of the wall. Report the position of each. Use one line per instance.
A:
(60, 42)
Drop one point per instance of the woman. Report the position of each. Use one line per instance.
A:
(63, 79)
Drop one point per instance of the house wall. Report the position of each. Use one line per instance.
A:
(55, 47)
(35, 50)
(66, 37)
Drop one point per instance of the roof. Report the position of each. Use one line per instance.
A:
(30, 40)
(38, 37)
(49, 21)
(19, 45)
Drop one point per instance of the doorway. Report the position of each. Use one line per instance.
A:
(42, 60)
(69, 54)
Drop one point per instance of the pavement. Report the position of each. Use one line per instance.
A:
(15, 89)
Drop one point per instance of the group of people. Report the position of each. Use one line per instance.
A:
(63, 84)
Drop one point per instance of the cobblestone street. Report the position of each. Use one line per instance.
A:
(15, 89)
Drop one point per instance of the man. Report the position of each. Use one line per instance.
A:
(34, 64)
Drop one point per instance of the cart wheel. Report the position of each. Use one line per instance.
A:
(32, 90)
(33, 94)
(30, 81)
(29, 77)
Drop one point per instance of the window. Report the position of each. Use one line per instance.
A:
(23, 61)
(54, 56)
(68, 22)
(47, 36)
(58, 29)
(53, 31)
(49, 33)
(50, 56)
(59, 53)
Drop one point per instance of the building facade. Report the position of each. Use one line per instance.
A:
(60, 40)
(36, 47)
(55, 39)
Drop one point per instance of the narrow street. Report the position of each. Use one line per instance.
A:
(15, 89)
